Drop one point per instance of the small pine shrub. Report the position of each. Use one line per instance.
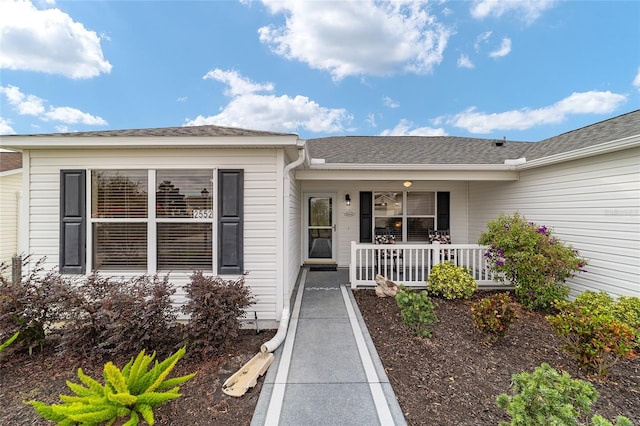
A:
(417, 311)
(592, 331)
(133, 392)
(493, 315)
(546, 397)
(215, 306)
(451, 281)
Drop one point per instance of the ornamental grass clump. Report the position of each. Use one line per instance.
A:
(546, 397)
(451, 281)
(595, 331)
(493, 315)
(417, 311)
(133, 392)
(532, 259)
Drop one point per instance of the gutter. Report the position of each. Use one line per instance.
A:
(277, 340)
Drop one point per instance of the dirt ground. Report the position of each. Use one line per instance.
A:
(43, 377)
(454, 377)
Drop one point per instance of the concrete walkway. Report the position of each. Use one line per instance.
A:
(327, 371)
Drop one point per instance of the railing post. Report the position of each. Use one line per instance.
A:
(352, 265)
(435, 254)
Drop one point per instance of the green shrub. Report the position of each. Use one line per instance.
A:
(133, 392)
(493, 315)
(451, 281)
(628, 311)
(531, 258)
(215, 307)
(592, 332)
(113, 317)
(546, 397)
(417, 311)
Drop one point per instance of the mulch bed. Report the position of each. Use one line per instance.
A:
(454, 377)
(43, 376)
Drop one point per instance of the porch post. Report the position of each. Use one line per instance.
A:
(435, 254)
(352, 266)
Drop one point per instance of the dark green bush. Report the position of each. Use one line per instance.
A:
(531, 258)
(215, 306)
(493, 315)
(417, 310)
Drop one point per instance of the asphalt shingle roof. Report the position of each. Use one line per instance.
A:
(414, 150)
(460, 150)
(10, 161)
(193, 131)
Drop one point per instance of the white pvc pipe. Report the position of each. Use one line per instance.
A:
(277, 340)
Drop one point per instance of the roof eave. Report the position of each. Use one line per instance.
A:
(590, 151)
(101, 142)
(419, 167)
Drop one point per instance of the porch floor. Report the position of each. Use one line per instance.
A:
(327, 372)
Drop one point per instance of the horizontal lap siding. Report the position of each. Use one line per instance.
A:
(10, 185)
(260, 200)
(592, 204)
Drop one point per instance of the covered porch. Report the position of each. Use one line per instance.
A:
(410, 264)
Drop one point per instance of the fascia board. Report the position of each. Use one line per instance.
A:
(590, 151)
(418, 167)
(92, 142)
(401, 175)
(10, 172)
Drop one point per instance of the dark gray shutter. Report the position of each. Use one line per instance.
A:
(230, 221)
(443, 211)
(73, 233)
(366, 217)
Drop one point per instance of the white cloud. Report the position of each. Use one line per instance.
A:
(636, 80)
(48, 41)
(35, 106)
(182, 99)
(527, 10)
(592, 102)
(403, 128)
(503, 50)
(358, 37)
(482, 39)
(465, 62)
(390, 102)
(5, 127)
(252, 110)
(371, 120)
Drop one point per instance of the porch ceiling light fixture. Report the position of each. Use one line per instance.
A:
(347, 200)
(407, 183)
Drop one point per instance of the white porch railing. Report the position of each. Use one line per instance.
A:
(410, 264)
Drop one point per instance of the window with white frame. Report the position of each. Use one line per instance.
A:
(408, 215)
(128, 232)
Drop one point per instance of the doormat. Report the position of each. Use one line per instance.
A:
(329, 267)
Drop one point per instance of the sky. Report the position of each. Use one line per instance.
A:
(521, 70)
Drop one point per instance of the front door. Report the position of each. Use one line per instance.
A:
(320, 228)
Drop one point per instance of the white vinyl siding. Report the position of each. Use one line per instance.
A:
(10, 187)
(260, 200)
(592, 204)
